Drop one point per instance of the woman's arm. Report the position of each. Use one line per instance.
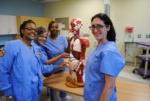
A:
(109, 85)
(1, 52)
(54, 59)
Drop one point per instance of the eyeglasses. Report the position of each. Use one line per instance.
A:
(42, 36)
(56, 27)
(97, 27)
(30, 29)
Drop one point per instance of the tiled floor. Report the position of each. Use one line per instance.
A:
(126, 73)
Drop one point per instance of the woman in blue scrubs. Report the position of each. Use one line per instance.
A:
(55, 46)
(38, 43)
(20, 68)
(104, 63)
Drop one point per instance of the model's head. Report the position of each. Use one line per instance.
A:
(41, 35)
(76, 24)
(102, 27)
(53, 28)
(28, 30)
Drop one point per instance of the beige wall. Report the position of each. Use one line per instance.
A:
(123, 13)
(83, 9)
(134, 12)
(130, 12)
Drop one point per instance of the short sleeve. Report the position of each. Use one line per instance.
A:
(112, 63)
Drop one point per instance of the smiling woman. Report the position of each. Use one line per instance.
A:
(100, 71)
(28, 31)
(19, 61)
(41, 35)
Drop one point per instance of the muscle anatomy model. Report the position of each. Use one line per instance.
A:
(77, 50)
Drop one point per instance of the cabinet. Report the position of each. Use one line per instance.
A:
(40, 21)
(8, 25)
(130, 51)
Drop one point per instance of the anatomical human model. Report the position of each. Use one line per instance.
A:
(77, 50)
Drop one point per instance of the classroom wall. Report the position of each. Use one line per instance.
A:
(83, 9)
(123, 13)
(19, 7)
(130, 12)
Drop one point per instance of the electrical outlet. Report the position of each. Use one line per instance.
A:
(139, 36)
(147, 35)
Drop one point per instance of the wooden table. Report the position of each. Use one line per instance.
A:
(127, 90)
(57, 81)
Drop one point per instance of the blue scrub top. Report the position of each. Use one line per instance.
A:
(20, 72)
(42, 56)
(104, 59)
(40, 52)
(56, 47)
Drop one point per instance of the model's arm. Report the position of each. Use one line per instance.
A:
(82, 54)
(84, 44)
(109, 86)
(54, 59)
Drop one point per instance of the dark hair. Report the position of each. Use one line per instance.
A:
(23, 25)
(40, 30)
(111, 35)
(50, 24)
(1, 46)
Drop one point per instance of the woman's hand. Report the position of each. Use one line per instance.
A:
(9, 98)
(64, 55)
(64, 64)
(54, 59)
